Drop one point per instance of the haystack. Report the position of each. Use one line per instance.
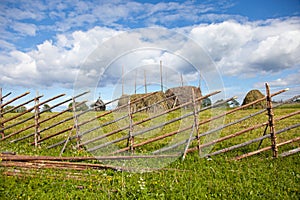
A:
(144, 102)
(124, 99)
(182, 95)
(150, 100)
(176, 96)
(252, 96)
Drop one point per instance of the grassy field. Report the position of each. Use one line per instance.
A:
(218, 177)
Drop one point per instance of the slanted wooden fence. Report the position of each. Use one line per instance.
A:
(124, 132)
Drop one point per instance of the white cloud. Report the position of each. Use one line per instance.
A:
(67, 15)
(212, 17)
(6, 45)
(167, 13)
(141, 50)
(52, 63)
(25, 28)
(19, 71)
(28, 12)
(251, 48)
(221, 39)
(239, 48)
(291, 79)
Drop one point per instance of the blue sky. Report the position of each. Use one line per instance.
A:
(44, 45)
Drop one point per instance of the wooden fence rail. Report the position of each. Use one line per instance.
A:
(267, 148)
(14, 99)
(27, 111)
(176, 132)
(251, 141)
(222, 126)
(148, 119)
(142, 131)
(43, 121)
(4, 96)
(193, 133)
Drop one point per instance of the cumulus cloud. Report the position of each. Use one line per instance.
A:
(141, 50)
(84, 30)
(52, 63)
(252, 47)
(237, 49)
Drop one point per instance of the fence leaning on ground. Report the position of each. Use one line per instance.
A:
(128, 135)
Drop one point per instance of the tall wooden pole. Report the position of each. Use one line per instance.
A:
(271, 122)
(122, 80)
(130, 141)
(196, 120)
(145, 81)
(75, 118)
(161, 77)
(181, 79)
(135, 81)
(195, 127)
(1, 110)
(166, 77)
(199, 81)
(37, 136)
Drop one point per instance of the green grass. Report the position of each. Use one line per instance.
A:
(195, 178)
(256, 177)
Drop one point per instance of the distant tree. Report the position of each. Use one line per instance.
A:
(46, 107)
(206, 102)
(81, 107)
(21, 109)
(70, 105)
(6, 108)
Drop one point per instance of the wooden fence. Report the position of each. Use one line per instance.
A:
(124, 132)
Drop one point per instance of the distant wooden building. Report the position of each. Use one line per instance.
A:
(99, 105)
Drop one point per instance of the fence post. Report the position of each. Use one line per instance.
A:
(75, 117)
(195, 127)
(271, 122)
(196, 121)
(130, 138)
(1, 117)
(37, 135)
